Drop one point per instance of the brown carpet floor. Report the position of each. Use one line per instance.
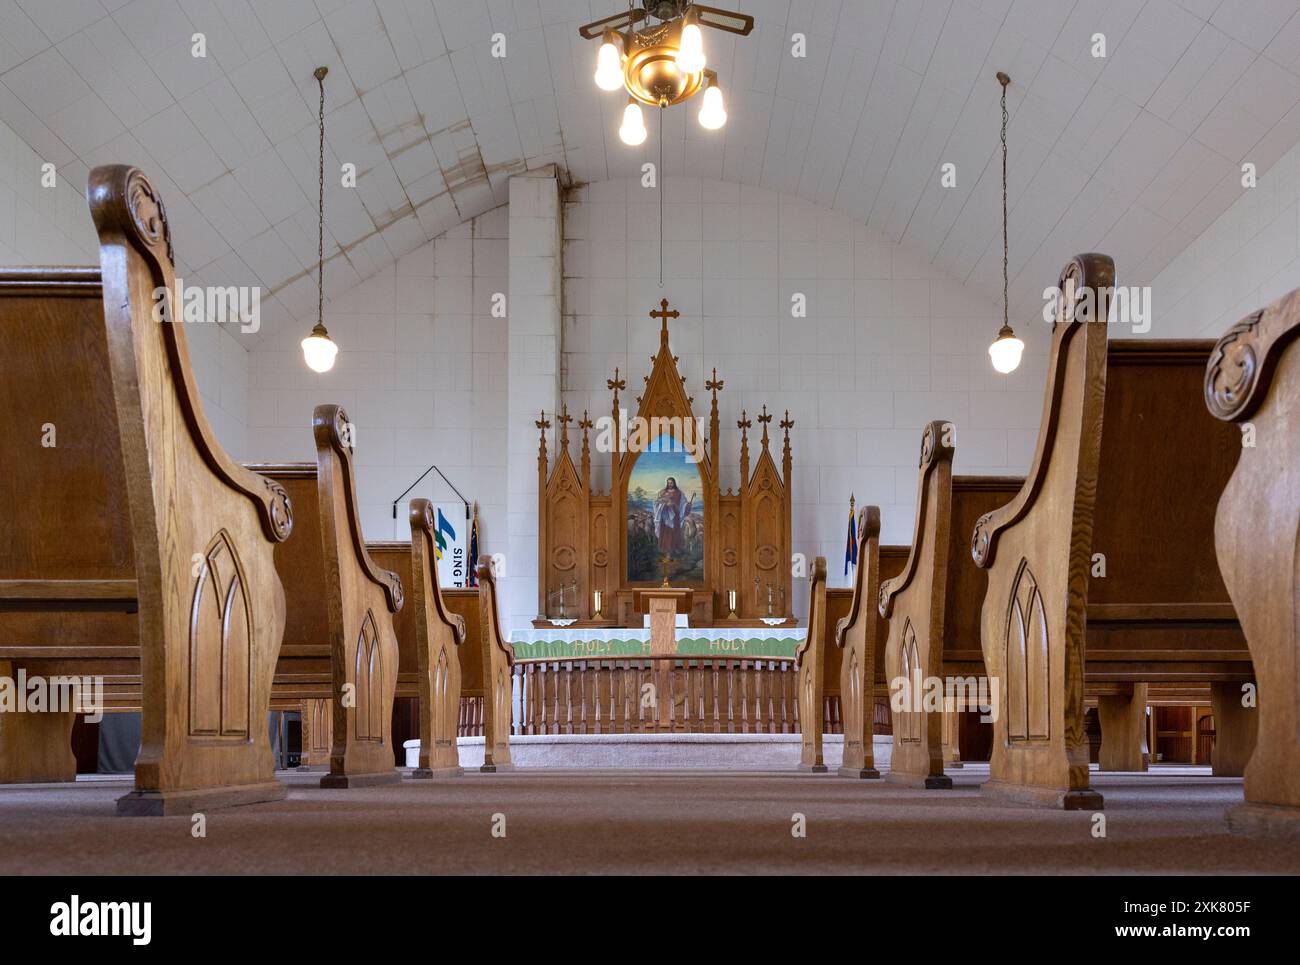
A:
(1168, 820)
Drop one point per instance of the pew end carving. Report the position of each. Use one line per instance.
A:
(855, 636)
(360, 601)
(1253, 379)
(211, 607)
(439, 634)
(1037, 550)
(914, 603)
(809, 663)
(498, 673)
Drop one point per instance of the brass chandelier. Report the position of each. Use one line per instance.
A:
(661, 64)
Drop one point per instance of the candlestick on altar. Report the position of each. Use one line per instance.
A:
(596, 615)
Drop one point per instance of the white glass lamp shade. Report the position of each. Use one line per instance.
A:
(609, 66)
(633, 131)
(1006, 351)
(690, 55)
(318, 349)
(712, 114)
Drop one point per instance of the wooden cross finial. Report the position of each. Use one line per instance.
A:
(787, 423)
(744, 422)
(764, 419)
(664, 314)
(564, 419)
(714, 384)
(616, 384)
(585, 423)
(541, 423)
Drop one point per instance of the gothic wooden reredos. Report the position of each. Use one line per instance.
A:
(582, 534)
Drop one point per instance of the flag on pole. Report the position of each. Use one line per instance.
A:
(473, 549)
(851, 547)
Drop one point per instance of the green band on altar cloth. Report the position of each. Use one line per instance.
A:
(576, 644)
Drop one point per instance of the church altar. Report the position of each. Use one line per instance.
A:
(665, 519)
(574, 643)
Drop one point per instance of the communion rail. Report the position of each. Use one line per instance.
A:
(695, 695)
(705, 695)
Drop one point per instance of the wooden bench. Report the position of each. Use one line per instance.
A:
(438, 636)
(809, 661)
(856, 636)
(1037, 550)
(67, 558)
(340, 659)
(134, 550)
(914, 603)
(498, 659)
(1252, 379)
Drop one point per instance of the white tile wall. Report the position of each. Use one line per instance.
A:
(421, 372)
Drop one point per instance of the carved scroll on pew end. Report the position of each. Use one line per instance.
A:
(1037, 552)
(914, 603)
(809, 661)
(438, 635)
(1253, 378)
(498, 661)
(209, 634)
(361, 599)
(855, 634)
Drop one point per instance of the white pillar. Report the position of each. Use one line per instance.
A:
(533, 317)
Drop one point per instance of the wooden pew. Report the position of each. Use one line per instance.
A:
(438, 636)
(809, 659)
(67, 558)
(1158, 611)
(210, 606)
(914, 603)
(340, 660)
(125, 435)
(498, 659)
(1253, 379)
(360, 603)
(1037, 550)
(855, 635)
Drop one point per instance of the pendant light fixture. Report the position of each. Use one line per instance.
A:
(318, 349)
(661, 63)
(1006, 348)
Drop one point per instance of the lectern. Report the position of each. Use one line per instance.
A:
(663, 603)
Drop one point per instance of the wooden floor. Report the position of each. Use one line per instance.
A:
(1169, 820)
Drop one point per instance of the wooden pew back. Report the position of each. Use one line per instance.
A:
(211, 608)
(67, 563)
(913, 602)
(1037, 552)
(808, 661)
(361, 601)
(1161, 611)
(498, 660)
(855, 637)
(438, 636)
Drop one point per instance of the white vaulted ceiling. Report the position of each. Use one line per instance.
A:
(1134, 154)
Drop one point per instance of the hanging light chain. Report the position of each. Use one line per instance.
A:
(1006, 321)
(320, 227)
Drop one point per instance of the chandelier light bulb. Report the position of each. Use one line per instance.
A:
(690, 55)
(1006, 351)
(712, 114)
(633, 131)
(609, 69)
(318, 349)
